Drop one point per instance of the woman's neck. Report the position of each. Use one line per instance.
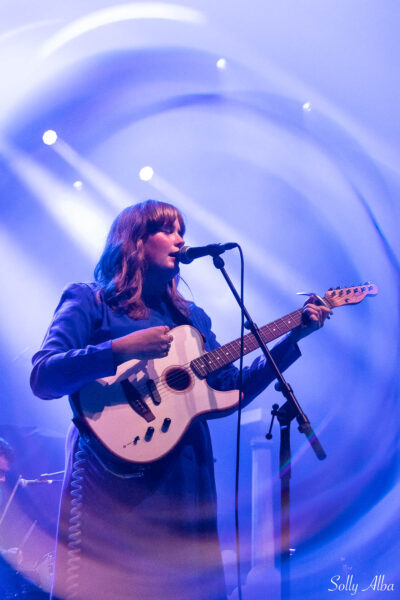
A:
(154, 286)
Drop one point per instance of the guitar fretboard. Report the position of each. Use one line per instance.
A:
(212, 361)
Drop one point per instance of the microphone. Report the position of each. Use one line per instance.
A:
(25, 482)
(189, 253)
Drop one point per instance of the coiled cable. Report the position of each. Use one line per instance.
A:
(75, 524)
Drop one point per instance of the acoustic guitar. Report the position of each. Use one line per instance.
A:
(140, 413)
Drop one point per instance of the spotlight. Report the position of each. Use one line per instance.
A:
(49, 137)
(307, 106)
(78, 185)
(146, 173)
(221, 64)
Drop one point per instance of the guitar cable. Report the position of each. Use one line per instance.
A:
(75, 523)
(239, 419)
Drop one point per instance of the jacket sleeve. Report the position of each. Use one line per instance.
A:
(255, 377)
(66, 360)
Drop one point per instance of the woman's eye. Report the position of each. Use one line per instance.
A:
(170, 230)
(167, 229)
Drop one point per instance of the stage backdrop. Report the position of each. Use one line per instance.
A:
(270, 124)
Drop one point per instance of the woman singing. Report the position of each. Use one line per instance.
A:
(139, 532)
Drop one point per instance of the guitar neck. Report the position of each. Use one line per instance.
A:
(212, 361)
(224, 355)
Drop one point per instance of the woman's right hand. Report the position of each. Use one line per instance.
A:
(153, 342)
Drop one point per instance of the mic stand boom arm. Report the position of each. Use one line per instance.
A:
(289, 410)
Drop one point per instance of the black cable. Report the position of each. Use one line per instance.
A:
(239, 417)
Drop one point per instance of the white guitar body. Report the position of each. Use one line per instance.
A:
(112, 409)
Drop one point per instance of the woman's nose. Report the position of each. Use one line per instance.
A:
(179, 241)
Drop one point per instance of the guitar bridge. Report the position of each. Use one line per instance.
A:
(136, 402)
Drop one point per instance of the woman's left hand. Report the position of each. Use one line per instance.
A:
(313, 317)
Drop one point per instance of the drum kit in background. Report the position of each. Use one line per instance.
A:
(26, 584)
(21, 577)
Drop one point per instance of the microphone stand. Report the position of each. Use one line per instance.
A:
(287, 412)
(7, 506)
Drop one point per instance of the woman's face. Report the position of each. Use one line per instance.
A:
(160, 248)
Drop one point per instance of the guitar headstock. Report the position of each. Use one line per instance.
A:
(350, 295)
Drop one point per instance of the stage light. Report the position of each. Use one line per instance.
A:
(221, 64)
(49, 137)
(115, 195)
(307, 106)
(146, 173)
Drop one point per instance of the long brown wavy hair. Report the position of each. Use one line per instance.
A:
(121, 267)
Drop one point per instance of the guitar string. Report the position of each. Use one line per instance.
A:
(165, 391)
(182, 371)
(179, 377)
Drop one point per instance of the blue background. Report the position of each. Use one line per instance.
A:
(291, 148)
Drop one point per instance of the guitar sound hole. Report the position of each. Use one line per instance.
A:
(178, 379)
